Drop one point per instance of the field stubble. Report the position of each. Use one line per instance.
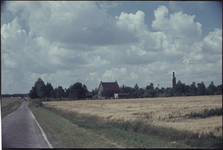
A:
(155, 110)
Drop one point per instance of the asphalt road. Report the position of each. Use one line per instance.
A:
(21, 130)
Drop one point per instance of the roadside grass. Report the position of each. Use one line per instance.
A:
(202, 114)
(11, 107)
(110, 128)
(63, 134)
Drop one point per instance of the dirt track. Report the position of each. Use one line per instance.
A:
(157, 108)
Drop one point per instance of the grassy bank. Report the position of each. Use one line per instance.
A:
(10, 107)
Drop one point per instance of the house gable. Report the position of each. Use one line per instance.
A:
(112, 86)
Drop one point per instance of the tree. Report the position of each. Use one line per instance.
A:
(150, 87)
(219, 89)
(169, 92)
(94, 92)
(53, 93)
(60, 92)
(193, 89)
(136, 87)
(211, 89)
(40, 88)
(77, 91)
(201, 89)
(48, 90)
(32, 93)
(106, 93)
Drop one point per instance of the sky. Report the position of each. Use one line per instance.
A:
(129, 42)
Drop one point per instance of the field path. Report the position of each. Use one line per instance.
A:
(21, 130)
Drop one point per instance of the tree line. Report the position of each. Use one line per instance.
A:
(47, 92)
(79, 91)
(181, 89)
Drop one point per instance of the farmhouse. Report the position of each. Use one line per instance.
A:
(112, 86)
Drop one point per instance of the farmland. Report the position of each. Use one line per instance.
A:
(156, 110)
(9, 105)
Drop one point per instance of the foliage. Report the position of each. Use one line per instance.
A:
(48, 90)
(33, 93)
(106, 93)
(206, 113)
(77, 91)
(35, 103)
(40, 88)
(201, 89)
(211, 89)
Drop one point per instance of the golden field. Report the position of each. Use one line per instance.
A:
(156, 109)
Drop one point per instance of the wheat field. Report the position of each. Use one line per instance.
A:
(157, 111)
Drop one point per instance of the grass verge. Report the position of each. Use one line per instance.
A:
(11, 107)
(135, 134)
(63, 134)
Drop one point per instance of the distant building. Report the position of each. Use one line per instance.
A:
(120, 95)
(89, 95)
(173, 81)
(112, 86)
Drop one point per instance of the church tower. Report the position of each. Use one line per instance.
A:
(174, 81)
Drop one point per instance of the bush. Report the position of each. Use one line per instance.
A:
(36, 103)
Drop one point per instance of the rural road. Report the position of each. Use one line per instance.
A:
(21, 130)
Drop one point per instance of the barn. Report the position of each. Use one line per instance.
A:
(112, 86)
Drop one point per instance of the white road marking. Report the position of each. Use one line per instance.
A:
(44, 135)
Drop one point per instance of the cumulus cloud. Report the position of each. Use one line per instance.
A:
(177, 25)
(68, 42)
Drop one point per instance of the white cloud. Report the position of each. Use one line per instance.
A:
(68, 42)
(177, 25)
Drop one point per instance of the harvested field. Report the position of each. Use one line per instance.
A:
(7, 100)
(156, 110)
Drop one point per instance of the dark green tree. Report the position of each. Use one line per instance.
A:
(150, 87)
(201, 89)
(106, 93)
(169, 92)
(48, 89)
(32, 93)
(60, 92)
(211, 89)
(40, 88)
(136, 87)
(77, 91)
(219, 89)
(193, 89)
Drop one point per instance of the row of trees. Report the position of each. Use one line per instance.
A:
(181, 89)
(42, 91)
(79, 91)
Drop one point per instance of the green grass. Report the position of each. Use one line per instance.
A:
(111, 129)
(206, 113)
(63, 134)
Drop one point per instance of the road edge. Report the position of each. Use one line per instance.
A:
(43, 134)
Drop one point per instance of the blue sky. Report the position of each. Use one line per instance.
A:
(128, 42)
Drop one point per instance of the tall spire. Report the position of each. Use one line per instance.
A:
(174, 80)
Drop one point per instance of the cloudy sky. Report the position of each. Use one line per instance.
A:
(128, 42)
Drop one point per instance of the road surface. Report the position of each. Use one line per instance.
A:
(21, 130)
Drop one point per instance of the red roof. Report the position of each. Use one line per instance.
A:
(113, 86)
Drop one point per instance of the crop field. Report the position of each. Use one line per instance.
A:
(156, 111)
(7, 100)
